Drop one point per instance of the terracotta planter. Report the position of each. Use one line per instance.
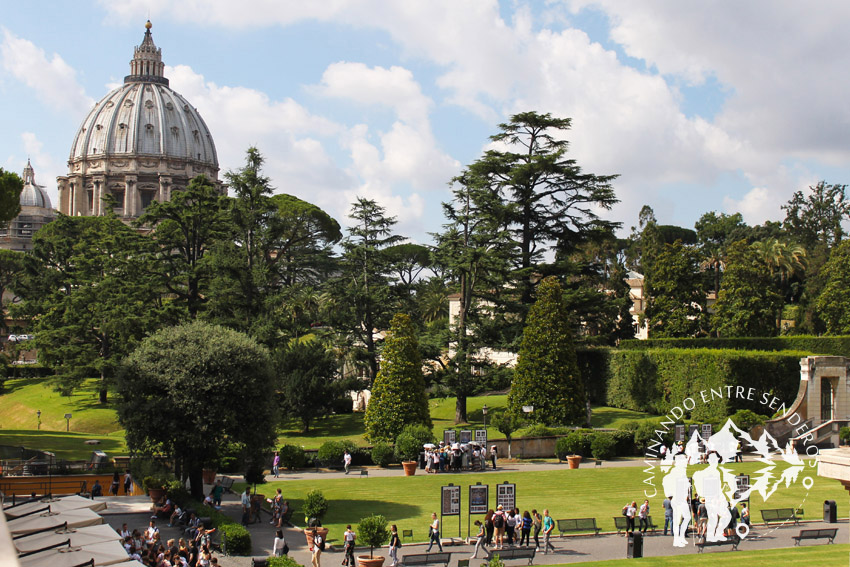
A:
(156, 494)
(409, 468)
(209, 476)
(308, 532)
(366, 561)
(573, 461)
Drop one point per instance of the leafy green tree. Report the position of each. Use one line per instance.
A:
(748, 303)
(506, 423)
(11, 186)
(90, 297)
(549, 202)
(474, 248)
(364, 281)
(547, 374)
(187, 392)
(715, 232)
(676, 300)
(12, 266)
(307, 373)
(185, 230)
(398, 393)
(833, 303)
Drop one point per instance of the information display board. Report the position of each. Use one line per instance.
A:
(680, 433)
(506, 495)
(465, 436)
(705, 431)
(449, 436)
(479, 498)
(481, 437)
(742, 485)
(450, 500)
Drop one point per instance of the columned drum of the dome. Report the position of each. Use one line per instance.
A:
(139, 143)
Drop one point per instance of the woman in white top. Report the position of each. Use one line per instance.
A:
(435, 533)
(279, 543)
(348, 539)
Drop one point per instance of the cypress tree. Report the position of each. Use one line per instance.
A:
(547, 375)
(398, 393)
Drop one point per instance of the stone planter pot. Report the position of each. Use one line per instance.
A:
(409, 468)
(156, 494)
(209, 476)
(573, 461)
(366, 561)
(308, 532)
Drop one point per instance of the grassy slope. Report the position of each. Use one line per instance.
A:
(599, 493)
(810, 556)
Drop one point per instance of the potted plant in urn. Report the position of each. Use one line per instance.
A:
(571, 447)
(315, 508)
(154, 487)
(409, 443)
(373, 532)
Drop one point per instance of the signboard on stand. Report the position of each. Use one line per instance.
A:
(742, 485)
(481, 437)
(479, 498)
(449, 436)
(680, 433)
(450, 500)
(506, 495)
(705, 431)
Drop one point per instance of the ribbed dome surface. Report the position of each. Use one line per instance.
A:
(144, 119)
(33, 194)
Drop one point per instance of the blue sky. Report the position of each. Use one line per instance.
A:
(723, 106)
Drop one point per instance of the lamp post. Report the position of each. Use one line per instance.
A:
(38, 413)
(484, 412)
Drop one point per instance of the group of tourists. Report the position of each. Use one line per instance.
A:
(457, 457)
(638, 517)
(192, 550)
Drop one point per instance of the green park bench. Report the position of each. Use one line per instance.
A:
(825, 533)
(779, 515)
(578, 525)
(733, 541)
(426, 559)
(511, 554)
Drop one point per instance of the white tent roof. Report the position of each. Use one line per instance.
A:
(78, 536)
(75, 518)
(73, 502)
(104, 553)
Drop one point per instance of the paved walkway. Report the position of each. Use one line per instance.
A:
(135, 512)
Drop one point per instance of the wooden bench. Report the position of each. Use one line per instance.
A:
(578, 525)
(703, 543)
(779, 515)
(826, 533)
(512, 553)
(427, 559)
(226, 483)
(621, 523)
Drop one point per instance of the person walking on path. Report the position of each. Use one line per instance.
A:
(667, 504)
(395, 543)
(525, 527)
(493, 454)
(276, 464)
(280, 548)
(346, 461)
(434, 533)
(548, 527)
(128, 482)
(480, 539)
(317, 548)
(537, 522)
(348, 539)
(246, 506)
(643, 516)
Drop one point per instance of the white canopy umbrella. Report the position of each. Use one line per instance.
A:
(36, 522)
(428, 446)
(78, 536)
(104, 553)
(61, 504)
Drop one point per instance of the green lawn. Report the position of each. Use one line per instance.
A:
(70, 446)
(810, 556)
(22, 397)
(586, 492)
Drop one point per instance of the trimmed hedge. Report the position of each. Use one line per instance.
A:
(656, 380)
(594, 369)
(835, 346)
(284, 561)
(238, 539)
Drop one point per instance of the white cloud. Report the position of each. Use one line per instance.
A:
(53, 80)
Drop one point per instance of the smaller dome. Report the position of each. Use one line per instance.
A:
(33, 195)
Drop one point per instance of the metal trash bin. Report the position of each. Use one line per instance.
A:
(98, 460)
(830, 513)
(635, 545)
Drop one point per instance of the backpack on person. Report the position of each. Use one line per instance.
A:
(320, 542)
(626, 510)
(498, 521)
